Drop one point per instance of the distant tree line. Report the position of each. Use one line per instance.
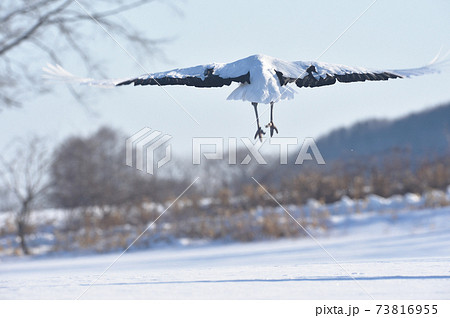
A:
(91, 171)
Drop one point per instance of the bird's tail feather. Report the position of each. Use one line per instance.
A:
(58, 73)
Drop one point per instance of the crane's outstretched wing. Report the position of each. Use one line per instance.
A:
(198, 76)
(209, 75)
(316, 74)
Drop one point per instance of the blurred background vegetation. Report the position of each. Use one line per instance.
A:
(87, 199)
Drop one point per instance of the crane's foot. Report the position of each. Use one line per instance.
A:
(272, 128)
(260, 133)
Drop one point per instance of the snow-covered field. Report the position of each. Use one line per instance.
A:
(380, 255)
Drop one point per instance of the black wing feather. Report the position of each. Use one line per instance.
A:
(310, 81)
(210, 80)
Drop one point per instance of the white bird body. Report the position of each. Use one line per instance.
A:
(261, 78)
(264, 86)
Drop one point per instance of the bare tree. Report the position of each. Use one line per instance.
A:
(24, 179)
(90, 171)
(39, 30)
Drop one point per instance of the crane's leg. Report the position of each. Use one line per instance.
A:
(259, 131)
(271, 125)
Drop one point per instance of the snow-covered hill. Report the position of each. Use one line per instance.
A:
(380, 255)
(425, 133)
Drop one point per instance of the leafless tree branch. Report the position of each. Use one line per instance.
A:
(50, 28)
(24, 177)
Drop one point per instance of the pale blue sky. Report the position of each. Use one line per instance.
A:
(392, 35)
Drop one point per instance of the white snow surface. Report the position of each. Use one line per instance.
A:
(264, 85)
(401, 254)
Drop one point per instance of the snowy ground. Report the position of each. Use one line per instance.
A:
(402, 255)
